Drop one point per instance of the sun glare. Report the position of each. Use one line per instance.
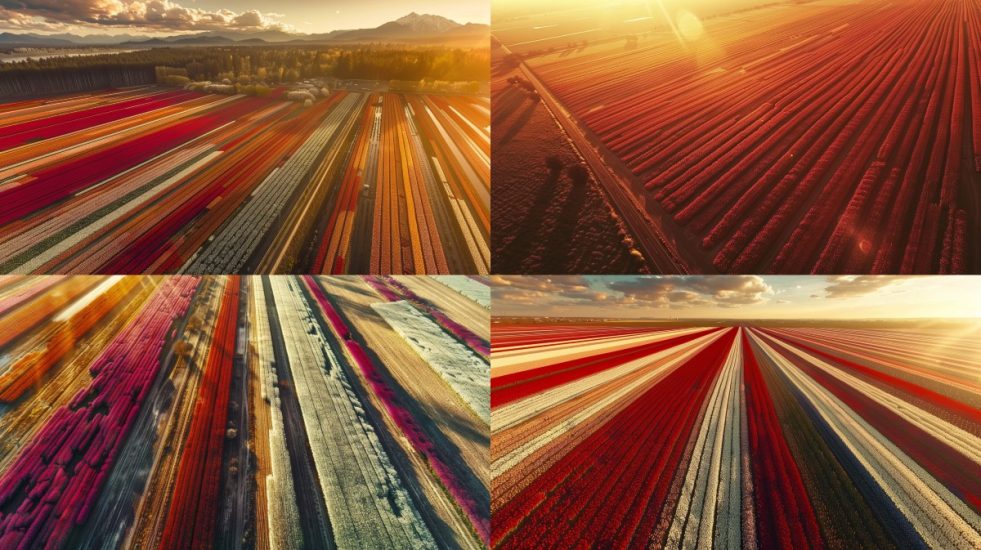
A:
(689, 25)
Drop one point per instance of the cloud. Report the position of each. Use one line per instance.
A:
(718, 291)
(538, 294)
(569, 290)
(22, 22)
(249, 19)
(847, 286)
(146, 14)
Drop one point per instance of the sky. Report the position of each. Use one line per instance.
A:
(155, 17)
(738, 297)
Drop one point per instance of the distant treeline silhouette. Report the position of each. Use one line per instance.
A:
(272, 63)
(40, 82)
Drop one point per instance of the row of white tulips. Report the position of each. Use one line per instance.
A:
(469, 287)
(464, 371)
(367, 504)
(940, 517)
(709, 507)
(239, 238)
(281, 510)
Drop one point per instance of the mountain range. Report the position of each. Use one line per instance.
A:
(413, 28)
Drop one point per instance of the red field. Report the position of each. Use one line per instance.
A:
(537, 213)
(820, 137)
(638, 436)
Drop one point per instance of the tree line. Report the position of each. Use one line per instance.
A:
(272, 63)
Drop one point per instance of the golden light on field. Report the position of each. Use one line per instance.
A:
(670, 21)
(744, 297)
(690, 33)
(689, 25)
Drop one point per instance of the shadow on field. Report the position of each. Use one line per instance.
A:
(518, 123)
(505, 104)
(534, 220)
(557, 249)
(354, 285)
(429, 415)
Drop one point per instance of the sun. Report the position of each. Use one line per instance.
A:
(689, 25)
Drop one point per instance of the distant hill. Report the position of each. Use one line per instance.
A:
(98, 39)
(425, 24)
(150, 42)
(413, 28)
(205, 40)
(11, 39)
(416, 28)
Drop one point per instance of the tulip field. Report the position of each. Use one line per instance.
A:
(807, 436)
(242, 412)
(780, 137)
(154, 180)
(415, 190)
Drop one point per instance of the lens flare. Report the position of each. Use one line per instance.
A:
(689, 25)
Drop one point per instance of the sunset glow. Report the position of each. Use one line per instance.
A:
(169, 16)
(738, 297)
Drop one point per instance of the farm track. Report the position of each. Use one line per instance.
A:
(237, 511)
(652, 242)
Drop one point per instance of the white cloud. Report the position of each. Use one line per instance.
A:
(55, 15)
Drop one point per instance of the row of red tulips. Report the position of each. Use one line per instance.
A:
(193, 511)
(511, 387)
(58, 125)
(614, 484)
(53, 184)
(778, 488)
